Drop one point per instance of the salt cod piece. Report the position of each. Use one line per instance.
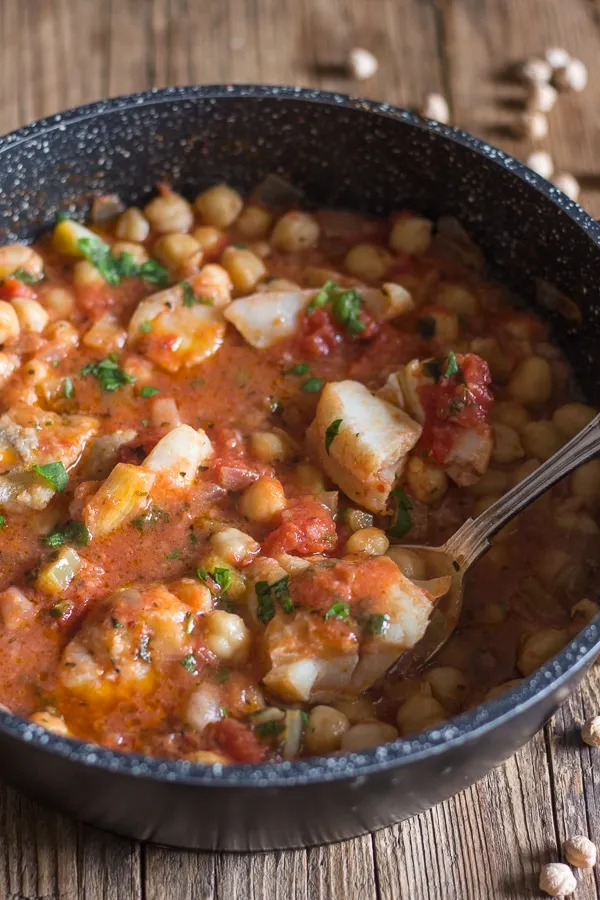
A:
(370, 448)
(263, 319)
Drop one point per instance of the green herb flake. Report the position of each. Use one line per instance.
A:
(68, 388)
(153, 273)
(115, 623)
(300, 368)
(305, 718)
(151, 517)
(265, 603)
(108, 373)
(345, 308)
(189, 623)
(312, 385)
(174, 554)
(193, 537)
(60, 609)
(338, 610)
(2, 522)
(426, 327)
(24, 276)
(403, 520)
(146, 327)
(281, 593)
(452, 367)
(322, 297)
(222, 577)
(114, 268)
(223, 675)
(332, 432)
(270, 729)
(190, 298)
(202, 574)
(189, 663)
(70, 533)
(378, 623)
(149, 391)
(55, 473)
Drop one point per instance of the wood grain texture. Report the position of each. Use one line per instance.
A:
(490, 841)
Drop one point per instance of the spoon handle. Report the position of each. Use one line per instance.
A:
(473, 538)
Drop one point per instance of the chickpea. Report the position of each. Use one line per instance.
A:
(541, 439)
(484, 503)
(234, 546)
(35, 371)
(418, 713)
(227, 636)
(169, 212)
(494, 481)
(10, 327)
(556, 879)
(584, 612)
(500, 689)
(457, 299)
(367, 542)
(531, 381)
(295, 231)
(325, 730)
(525, 469)
(368, 262)
(572, 417)
(62, 337)
(580, 852)
(590, 731)
(207, 758)
(243, 267)
(31, 315)
(507, 445)
(491, 613)
(366, 735)
(410, 563)
(193, 593)
(510, 413)
(449, 686)
(411, 234)
(585, 485)
(19, 256)
(500, 365)
(356, 710)
(539, 647)
(51, 722)
(179, 251)
(216, 279)
(309, 478)
(261, 249)
(263, 500)
(86, 275)
(272, 285)
(446, 327)
(427, 481)
(137, 251)
(132, 225)
(575, 522)
(210, 239)
(254, 223)
(219, 206)
(59, 302)
(268, 447)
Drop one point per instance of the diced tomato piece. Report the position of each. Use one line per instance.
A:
(12, 287)
(235, 740)
(319, 333)
(389, 350)
(347, 581)
(306, 527)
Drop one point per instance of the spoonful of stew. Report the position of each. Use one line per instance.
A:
(450, 562)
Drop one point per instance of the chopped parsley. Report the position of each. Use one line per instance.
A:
(312, 385)
(2, 522)
(108, 373)
(222, 577)
(269, 729)
(149, 391)
(338, 610)
(305, 718)
(378, 623)
(174, 554)
(452, 365)
(223, 675)
(202, 574)
(114, 268)
(403, 520)
(322, 297)
(189, 623)
(189, 663)
(115, 623)
(268, 594)
(151, 517)
(60, 609)
(55, 473)
(426, 327)
(24, 276)
(190, 298)
(72, 532)
(331, 432)
(144, 648)
(300, 368)
(68, 388)
(345, 306)
(146, 326)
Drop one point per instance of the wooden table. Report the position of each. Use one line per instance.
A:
(490, 841)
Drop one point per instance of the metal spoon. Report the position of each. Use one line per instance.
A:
(473, 539)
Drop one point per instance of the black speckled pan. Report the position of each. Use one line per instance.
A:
(348, 153)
